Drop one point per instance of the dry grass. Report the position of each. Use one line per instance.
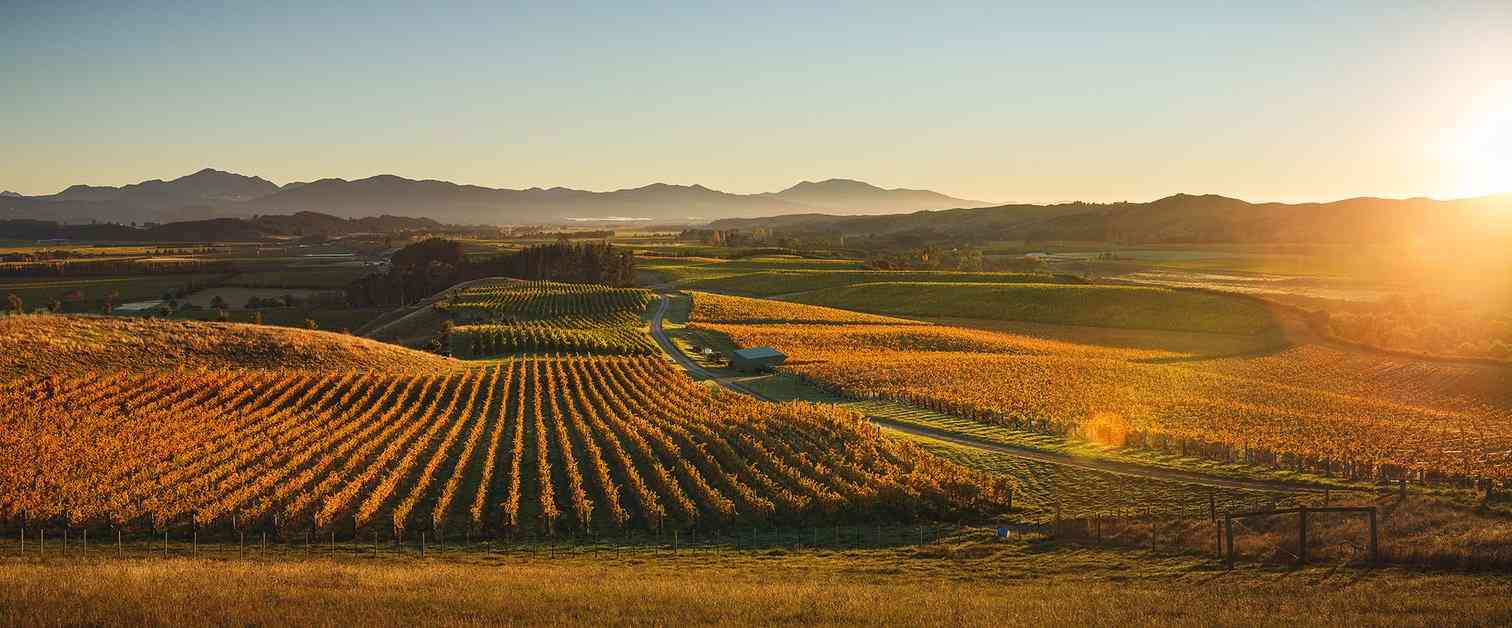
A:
(40, 344)
(1023, 584)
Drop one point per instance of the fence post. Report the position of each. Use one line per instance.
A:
(1402, 488)
(1228, 525)
(1212, 507)
(1302, 536)
(1218, 541)
(1374, 556)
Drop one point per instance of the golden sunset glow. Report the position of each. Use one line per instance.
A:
(1481, 154)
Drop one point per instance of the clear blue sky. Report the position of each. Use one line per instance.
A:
(994, 102)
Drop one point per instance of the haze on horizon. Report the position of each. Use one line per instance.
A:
(998, 103)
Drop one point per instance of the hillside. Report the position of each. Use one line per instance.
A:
(43, 344)
(216, 229)
(1182, 218)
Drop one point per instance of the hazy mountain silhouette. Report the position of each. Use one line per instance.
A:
(207, 186)
(858, 196)
(212, 194)
(1180, 218)
(217, 229)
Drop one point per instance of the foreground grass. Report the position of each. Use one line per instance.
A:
(977, 583)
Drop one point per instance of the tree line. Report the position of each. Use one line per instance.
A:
(422, 269)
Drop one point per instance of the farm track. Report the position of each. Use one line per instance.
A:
(1122, 468)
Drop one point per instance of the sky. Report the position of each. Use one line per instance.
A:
(992, 101)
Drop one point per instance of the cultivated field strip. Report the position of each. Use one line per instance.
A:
(515, 317)
(565, 304)
(487, 340)
(1298, 425)
(527, 446)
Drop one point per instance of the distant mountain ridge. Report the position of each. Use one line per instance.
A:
(212, 193)
(1180, 218)
(848, 194)
(217, 229)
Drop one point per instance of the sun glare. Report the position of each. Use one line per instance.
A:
(1483, 153)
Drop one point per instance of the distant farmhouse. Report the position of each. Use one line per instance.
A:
(756, 359)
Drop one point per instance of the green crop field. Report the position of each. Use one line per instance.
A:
(770, 283)
(39, 291)
(1095, 305)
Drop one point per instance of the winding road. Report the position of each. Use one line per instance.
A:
(1091, 464)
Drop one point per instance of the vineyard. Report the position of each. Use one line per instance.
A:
(562, 304)
(37, 344)
(512, 317)
(486, 340)
(1309, 408)
(532, 446)
(806, 342)
(1180, 409)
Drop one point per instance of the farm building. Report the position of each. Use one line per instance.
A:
(756, 359)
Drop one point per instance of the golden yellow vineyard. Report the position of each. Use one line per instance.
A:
(528, 446)
(1307, 408)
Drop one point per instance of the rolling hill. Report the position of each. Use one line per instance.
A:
(44, 344)
(1180, 218)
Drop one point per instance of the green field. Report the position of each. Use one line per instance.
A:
(1094, 305)
(325, 318)
(684, 270)
(301, 277)
(39, 291)
(771, 283)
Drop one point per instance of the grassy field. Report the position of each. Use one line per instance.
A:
(969, 581)
(309, 278)
(38, 292)
(326, 318)
(1100, 306)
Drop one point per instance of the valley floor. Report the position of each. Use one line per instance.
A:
(1021, 582)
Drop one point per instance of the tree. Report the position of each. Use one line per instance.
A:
(257, 318)
(311, 324)
(14, 302)
(218, 303)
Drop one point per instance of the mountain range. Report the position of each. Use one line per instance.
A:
(1180, 218)
(216, 194)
